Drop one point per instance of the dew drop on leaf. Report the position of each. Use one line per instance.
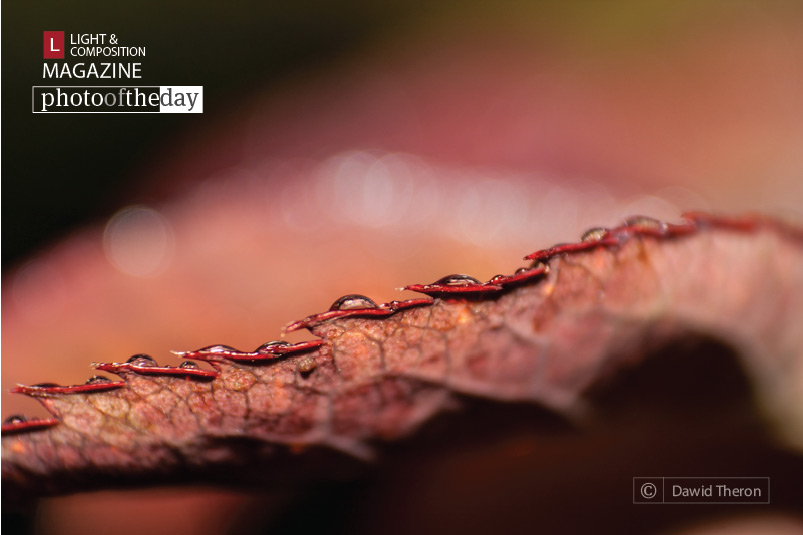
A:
(457, 280)
(218, 348)
(189, 365)
(15, 419)
(644, 222)
(270, 346)
(97, 379)
(142, 360)
(594, 234)
(353, 302)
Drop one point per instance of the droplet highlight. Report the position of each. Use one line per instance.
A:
(189, 365)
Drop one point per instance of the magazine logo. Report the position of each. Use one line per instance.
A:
(54, 45)
(104, 56)
(118, 99)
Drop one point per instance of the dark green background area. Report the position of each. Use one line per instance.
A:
(61, 170)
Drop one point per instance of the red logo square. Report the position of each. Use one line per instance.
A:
(54, 45)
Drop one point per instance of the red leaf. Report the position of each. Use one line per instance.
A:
(547, 335)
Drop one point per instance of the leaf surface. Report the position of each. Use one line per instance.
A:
(592, 310)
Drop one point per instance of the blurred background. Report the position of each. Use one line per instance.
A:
(357, 147)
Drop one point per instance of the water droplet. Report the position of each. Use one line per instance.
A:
(45, 385)
(353, 302)
(270, 346)
(644, 222)
(595, 234)
(523, 270)
(457, 280)
(218, 348)
(142, 360)
(189, 365)
(97, 379)
(15, 419)
(497, 278)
